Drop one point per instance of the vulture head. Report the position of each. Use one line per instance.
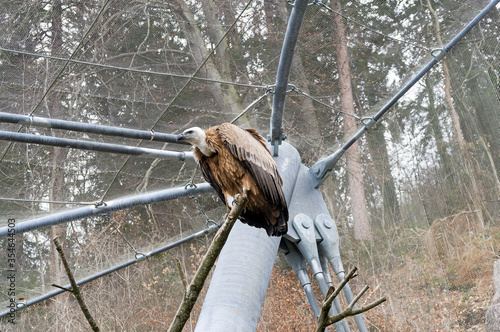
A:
(196, 136)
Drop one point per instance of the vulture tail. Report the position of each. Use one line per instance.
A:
(281, 227)
(258, 220)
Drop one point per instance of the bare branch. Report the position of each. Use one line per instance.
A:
(206, 265)
(75, 290)
(63, 288)
(328, 302)
(324, 319)
(181, 273)
(356, 299)
(351, 312)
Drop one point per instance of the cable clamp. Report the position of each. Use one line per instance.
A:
(270, 89)
(294, 88)
(21, 304)
(152, 132)
(139, 256)
(368, 122)
(190, 185)
(212, 222)
(438, 53)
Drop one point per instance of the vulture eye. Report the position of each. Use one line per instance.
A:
(189, 132)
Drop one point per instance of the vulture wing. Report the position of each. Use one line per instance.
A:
(250, 148)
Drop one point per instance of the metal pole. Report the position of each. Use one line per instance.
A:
(95, 146)
(285, 63)
(298, 264)
(139, 258)
(321, 169)
(239, 283)
(36, 121)
(112, 205)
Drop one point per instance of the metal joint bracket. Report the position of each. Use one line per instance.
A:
(438, 53)
(322, 167)
(329, 246)
(304, 227)
(368, 122)
(139, 256)
(276, 142)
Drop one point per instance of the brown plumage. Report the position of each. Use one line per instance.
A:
(235, 160)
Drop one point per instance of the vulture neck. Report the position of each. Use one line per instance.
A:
(204, 148)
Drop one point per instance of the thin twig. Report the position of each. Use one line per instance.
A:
(196, 285)
(324, 319)
(63, 288)
(75, 290)
(181, 273)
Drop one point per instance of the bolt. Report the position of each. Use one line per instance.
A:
(306, 224)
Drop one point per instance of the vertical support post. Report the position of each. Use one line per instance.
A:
(286, 57)
(239, 283)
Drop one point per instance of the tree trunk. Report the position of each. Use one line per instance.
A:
(226, 98)
(362, 229)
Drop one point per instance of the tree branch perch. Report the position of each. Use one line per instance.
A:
(196, 285)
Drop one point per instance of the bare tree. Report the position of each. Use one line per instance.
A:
(362, 228)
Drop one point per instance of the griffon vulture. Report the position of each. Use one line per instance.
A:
(236, 161)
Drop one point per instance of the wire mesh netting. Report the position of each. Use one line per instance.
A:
(427, 174)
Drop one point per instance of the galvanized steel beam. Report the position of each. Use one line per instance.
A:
(111, 205)
(35, 121)
(95, 146)
(276, 135)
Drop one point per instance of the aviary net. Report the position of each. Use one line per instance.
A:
(416, 201)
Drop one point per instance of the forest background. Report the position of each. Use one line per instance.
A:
(416, 202)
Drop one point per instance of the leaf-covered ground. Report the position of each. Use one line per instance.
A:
(443, 284)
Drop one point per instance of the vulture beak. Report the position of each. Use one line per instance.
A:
(180, 137)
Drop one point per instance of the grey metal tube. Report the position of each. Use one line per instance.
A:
(113, 269)
(298, 264)
(112, 205)
(88, 128)
(239, 283)
(95, 146)
(304, 227)
(285, 63)
(322, 168)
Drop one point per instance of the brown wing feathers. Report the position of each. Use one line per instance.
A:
(246, 152)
